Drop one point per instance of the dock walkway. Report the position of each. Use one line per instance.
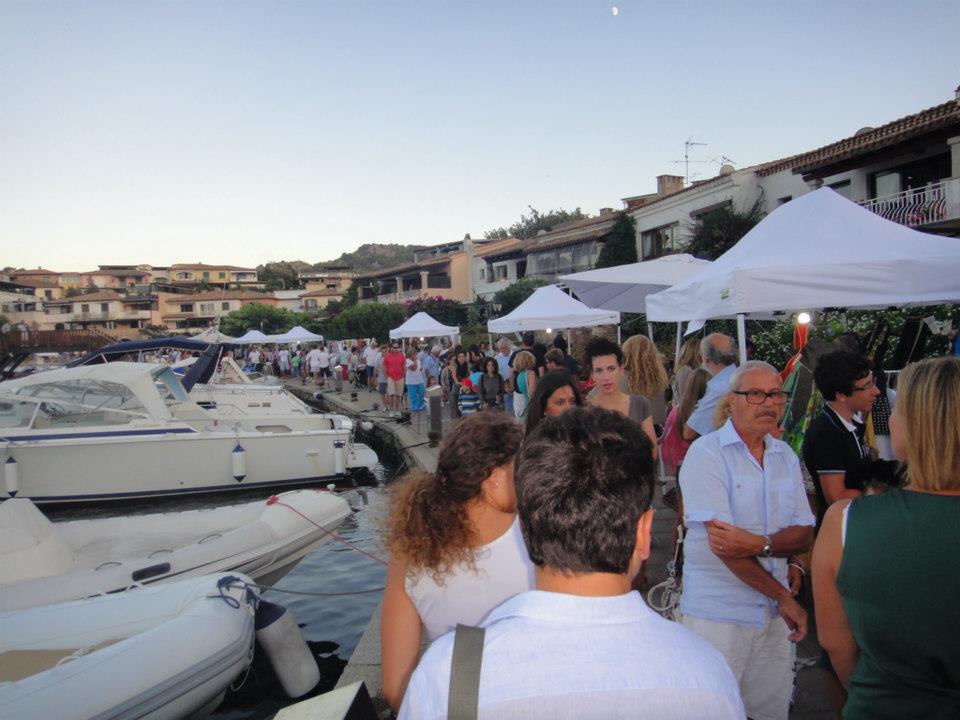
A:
(364, 663)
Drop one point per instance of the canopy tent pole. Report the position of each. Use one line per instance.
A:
(676, 354)
(742, 336)
(650, 330)
(619, 341)
(490, 343)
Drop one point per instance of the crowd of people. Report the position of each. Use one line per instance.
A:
(535, 528)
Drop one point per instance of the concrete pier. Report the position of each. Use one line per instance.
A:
(810, 701)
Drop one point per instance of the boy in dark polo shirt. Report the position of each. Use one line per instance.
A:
(834, 450)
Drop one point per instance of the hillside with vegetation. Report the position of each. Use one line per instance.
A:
(373, 256)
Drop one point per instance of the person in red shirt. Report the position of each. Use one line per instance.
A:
(394, 368)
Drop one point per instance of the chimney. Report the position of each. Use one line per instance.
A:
(669, 184)
(606, 211)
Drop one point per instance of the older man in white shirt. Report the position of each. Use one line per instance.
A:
(746, 510)
(583, 645)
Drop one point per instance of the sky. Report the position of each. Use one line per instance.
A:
(246, 131)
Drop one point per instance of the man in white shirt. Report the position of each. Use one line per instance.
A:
(583, 645)
(371, 354)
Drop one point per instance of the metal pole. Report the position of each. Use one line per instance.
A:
(650, 330)
(619, 340)
(676, 355)
(742, 336)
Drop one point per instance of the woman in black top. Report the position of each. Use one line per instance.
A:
(490, 387)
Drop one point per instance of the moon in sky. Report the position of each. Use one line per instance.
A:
(614, 10)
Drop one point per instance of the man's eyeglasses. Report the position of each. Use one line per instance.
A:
(869, 385)
(757, 397)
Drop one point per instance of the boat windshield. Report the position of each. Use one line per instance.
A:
(169, 385)
(83, 401)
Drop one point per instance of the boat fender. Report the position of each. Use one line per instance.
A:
(239, 461)
(11, 477)
(318, 395)
(339, 457)
(288, 653)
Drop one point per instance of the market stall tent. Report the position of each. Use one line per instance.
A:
(251, 336)
(625, 287)
(551, 308)
(212, 335)
(295, 334)
(816, 252)
(422, 325)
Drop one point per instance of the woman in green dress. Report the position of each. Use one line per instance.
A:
(885, 574)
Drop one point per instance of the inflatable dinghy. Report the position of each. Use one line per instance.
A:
(42, 562)
(162, 652)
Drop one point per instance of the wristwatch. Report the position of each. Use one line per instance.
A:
(767, 547)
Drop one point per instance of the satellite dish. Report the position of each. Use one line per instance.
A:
(727, 169)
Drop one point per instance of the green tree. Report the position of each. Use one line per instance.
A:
(90, 288)
(154, 331)
(373, 320)
(620, 246)
(443, 310)
(352, 296)
(510, 297)
(281, 275)
(716, 232)
(73, 291)
(258, 316)
(529, 225)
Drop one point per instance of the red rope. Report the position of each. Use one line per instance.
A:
(274, 500)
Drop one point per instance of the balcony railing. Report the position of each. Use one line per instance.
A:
(930, 204)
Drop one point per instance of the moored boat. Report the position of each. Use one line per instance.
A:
(128, 430)
(42, 562)
(162, 653)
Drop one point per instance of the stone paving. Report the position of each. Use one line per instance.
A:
(810, 700)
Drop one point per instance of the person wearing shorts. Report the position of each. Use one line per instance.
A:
(394, 365)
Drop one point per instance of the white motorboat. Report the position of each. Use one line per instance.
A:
(127, 430)
(42, 562)
(215, 382)
(162, 653)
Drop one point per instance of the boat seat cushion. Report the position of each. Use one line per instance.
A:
(19, 664)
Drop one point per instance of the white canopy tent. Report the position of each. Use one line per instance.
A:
(816, 252)
(551, 308)
(422, 325)
(250, 337)
(212, 335)
(625, 287)
(294, 335)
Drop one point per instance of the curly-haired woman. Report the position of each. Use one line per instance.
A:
(645, 374)
(456, 551)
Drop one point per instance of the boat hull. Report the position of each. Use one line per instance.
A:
(127, 464)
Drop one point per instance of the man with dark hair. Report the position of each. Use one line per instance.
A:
(834, 450)
(532, 346)
(719, 353)
(582, 644)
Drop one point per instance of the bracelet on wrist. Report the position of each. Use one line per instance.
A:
(799, 567)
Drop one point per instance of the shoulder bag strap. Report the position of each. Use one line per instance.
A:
(464, 694)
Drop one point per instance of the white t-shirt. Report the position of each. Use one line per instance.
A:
(313, 359)
(255, 357)
(323, 358)
(414, 372)
(503, 570)
(370, 354)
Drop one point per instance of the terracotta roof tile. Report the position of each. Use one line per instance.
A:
(929, 120)
(407, 267)
(99, 296)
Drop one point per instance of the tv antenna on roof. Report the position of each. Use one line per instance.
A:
(687, 144)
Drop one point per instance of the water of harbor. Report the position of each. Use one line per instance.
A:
(332, 626)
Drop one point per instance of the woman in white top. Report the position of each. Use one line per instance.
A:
(456, 551)
(414, 381)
